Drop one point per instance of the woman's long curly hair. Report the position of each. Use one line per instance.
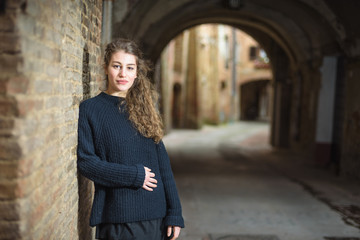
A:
(141, 97)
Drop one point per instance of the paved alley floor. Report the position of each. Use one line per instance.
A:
(233, 186)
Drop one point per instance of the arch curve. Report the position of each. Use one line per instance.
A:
(293, 25)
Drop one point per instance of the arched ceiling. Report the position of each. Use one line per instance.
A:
(304, 29)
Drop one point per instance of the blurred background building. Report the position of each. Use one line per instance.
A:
(214, 74)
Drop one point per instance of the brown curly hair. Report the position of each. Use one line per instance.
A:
(141, 97)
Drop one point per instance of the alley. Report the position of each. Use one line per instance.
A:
(232, 189)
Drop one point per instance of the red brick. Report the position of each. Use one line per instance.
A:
(9, 150)
(9, 42)
(7, 22)
(2, 87)
(25, 167)
(9, 210)
(17, 85)
(9, 63)
(26, 106)
(7, 189)
(10, 230)
(28, 184)
(8, 169)
(6, 123)
(8, 107)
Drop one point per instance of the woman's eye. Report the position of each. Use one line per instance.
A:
(116, 66)
(131, 68)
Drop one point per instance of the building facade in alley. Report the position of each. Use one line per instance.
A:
(214, 74)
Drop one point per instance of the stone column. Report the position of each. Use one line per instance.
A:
(325, 110)
(106, 30)
(192, 119)
(280, 129)
(350, 152)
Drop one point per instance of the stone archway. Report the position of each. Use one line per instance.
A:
(155, 24)
(295, 34)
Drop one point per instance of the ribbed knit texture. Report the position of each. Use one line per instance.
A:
(112, 153)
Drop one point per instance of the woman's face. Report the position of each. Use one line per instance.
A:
(121, 72)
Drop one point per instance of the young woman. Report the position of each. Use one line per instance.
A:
(121, 151)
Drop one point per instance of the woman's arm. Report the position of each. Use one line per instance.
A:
(174, 212)
(103, 172)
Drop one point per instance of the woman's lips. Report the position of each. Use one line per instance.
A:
(122, 81)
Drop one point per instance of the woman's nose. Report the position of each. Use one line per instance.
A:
(122, 72)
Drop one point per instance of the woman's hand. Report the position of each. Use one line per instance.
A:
(173, 231)
(150, 181)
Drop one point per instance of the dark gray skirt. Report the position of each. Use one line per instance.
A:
(149, 230)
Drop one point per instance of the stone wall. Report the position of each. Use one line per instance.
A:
(49, 61)
(350, 159)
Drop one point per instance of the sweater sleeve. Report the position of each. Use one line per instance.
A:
(174, 212)
(100, 171)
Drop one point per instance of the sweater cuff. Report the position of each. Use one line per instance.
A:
(140, 177)
(174, 221)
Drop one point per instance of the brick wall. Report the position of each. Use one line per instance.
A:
(50, 60)
(10, 152)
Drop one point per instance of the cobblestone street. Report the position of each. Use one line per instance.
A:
(233, 186)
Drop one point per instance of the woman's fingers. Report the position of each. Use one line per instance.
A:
(149, 181)
(169, 231)
(177, 231)
(152, 179)
(173, 232)
(147, 188)
(152, 183)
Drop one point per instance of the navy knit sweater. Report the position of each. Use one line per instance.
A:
(112, 153)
